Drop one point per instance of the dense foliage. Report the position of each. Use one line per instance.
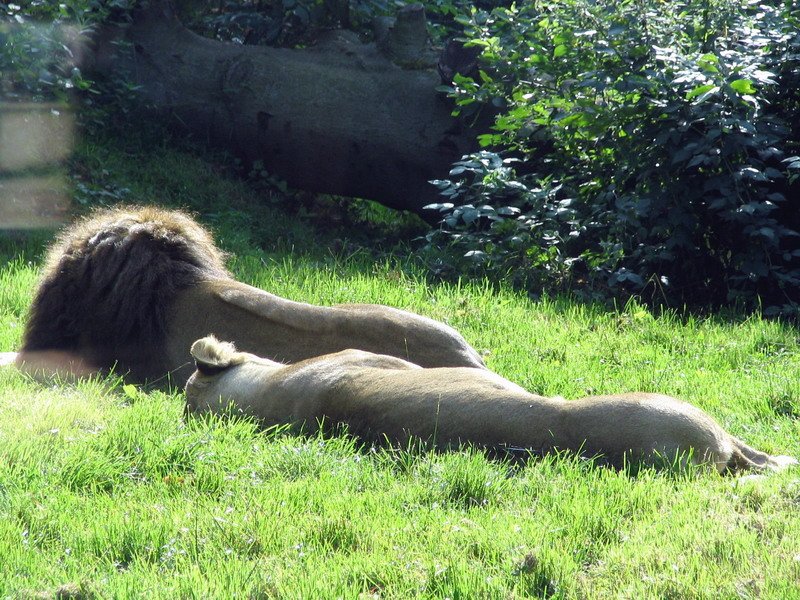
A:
(637, 147)
(279, 22)
(35, 56)
(43, 47)
(294, 23)
(655, 147)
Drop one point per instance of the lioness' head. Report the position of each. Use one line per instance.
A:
(212, 358)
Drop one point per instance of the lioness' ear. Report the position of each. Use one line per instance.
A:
(212, 356)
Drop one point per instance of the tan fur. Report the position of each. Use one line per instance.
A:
(131, 289)
(211, 354)
(384, 396)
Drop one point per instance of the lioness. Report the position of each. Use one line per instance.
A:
(132, 288)
(379, 396)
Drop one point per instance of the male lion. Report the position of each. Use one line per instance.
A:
(132, 288)
(385, 396)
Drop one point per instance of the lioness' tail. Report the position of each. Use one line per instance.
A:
(212, 356)
(745, 458)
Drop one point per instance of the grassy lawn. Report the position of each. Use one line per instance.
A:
(108, 492)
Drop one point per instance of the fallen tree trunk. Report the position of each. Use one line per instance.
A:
(340, 117)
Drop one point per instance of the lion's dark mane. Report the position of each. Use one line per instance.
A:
(110, 278)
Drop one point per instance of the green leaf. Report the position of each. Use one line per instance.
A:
(560, 50)
(708, 62)
(489, 139)
(743, 86)
(708, 88)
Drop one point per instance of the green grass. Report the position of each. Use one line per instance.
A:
(111, 494)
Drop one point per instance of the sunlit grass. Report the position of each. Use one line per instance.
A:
(107, 492)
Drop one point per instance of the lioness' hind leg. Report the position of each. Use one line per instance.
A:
(745, 458)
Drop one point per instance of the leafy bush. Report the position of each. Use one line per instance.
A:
(657, 144)
(36, 59)
(291, 23)
(41, 44)
(285, 23)
(493, 227)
